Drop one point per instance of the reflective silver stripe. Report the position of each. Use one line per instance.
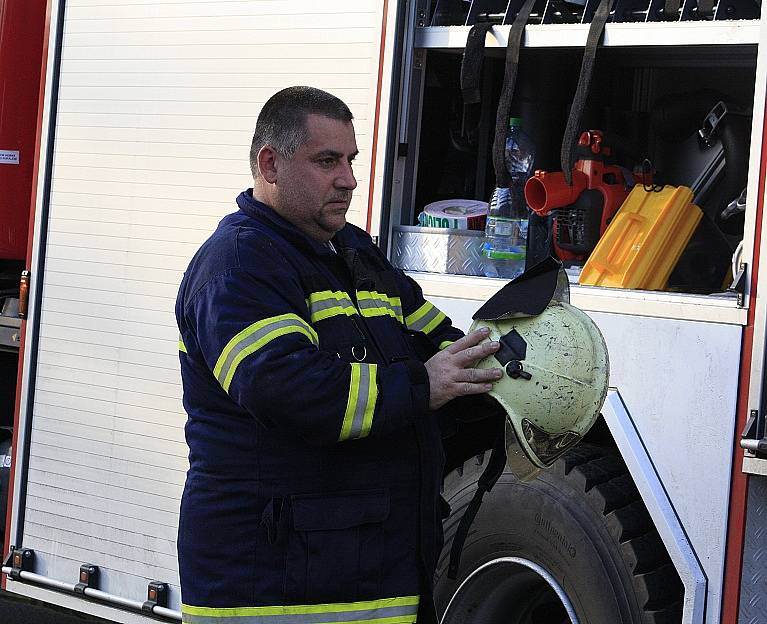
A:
(325, 304)
(425, 319)
(380, 304)
(396, 614)
(360, 406)
(362, 401)
(253, 338)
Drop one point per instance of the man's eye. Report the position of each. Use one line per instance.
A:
(327, 162)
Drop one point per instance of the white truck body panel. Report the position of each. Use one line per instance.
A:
(678, 382)
(155, 113)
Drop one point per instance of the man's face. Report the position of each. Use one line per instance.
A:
(313, 189)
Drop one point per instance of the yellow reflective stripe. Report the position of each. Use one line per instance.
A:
(445, 344)
(361, 402)
(425, 319)
(351, 403)
(413, 318)
(373, 303)
(309, 618)
(391, 610)
(253, 338)
(329, 303)
(407, 617)
(181, 345)
(434, 322)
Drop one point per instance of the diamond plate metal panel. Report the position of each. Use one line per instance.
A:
(438, 251)
(753, 592)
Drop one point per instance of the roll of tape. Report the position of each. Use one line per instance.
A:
(456, 214)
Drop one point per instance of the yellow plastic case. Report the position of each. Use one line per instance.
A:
(643, 243)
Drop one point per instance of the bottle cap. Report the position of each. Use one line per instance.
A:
(515, 122)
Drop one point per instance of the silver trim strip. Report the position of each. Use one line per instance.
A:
(28, 364)
(659, 507)
(540, 571)
(95, 594)
(756, 386)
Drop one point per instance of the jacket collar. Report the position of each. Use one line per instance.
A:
(259, 211)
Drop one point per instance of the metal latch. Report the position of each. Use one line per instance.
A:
(711, 122)
(24, 294)
(738, 286)
(513, 350)
(752, 439)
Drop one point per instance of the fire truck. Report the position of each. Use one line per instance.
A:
(123, 140)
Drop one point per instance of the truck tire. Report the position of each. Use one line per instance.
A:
(574, 544)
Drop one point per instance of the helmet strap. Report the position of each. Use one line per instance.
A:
(487, 480)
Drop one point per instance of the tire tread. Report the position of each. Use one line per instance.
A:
(656, 583)
(609, 490)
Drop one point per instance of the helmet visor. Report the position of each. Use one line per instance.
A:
(547, 447)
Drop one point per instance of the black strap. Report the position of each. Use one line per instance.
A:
(507, 92)
(582, 91)
(471, 78)
(706, 8)
(471, 63)
(671, 9)
(491, 474)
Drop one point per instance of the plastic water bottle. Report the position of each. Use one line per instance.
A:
(506, 230)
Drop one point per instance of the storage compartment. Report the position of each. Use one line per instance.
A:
(438, 250)
(671, 115)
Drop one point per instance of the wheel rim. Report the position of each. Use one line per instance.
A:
(510, 590)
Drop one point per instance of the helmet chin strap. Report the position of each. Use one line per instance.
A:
(492, 473)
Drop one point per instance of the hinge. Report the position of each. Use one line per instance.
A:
(738, 285)
(419, 58)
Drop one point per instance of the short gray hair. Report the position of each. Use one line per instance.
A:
(282, 121)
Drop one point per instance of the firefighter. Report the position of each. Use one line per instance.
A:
(312, 369)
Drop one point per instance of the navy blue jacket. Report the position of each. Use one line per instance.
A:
(315, 463)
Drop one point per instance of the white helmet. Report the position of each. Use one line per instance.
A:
(555, 382)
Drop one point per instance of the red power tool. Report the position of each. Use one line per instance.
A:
(584, 209)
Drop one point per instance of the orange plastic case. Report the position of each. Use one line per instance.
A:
(643, 243)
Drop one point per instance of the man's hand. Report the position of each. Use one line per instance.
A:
(449, 372)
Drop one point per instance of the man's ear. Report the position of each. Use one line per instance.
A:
(267, 163)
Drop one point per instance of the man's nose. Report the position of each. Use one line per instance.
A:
(346, 179)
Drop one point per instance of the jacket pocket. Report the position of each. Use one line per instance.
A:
(335, 549)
